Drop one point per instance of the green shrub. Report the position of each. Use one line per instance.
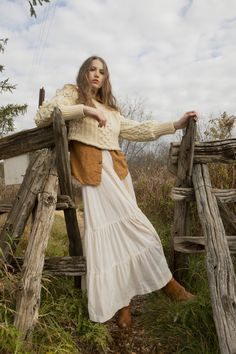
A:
(67, 307)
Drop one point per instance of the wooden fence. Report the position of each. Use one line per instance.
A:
(188, 161)
(38, 195)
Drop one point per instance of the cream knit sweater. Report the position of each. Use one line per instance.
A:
(85, 129)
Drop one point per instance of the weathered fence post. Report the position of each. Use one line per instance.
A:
(65, 183)
(220, 270)
(180, 227)
(29, 289)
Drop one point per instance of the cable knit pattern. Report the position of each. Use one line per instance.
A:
(85, 129)
(144, 131)
(66, 100)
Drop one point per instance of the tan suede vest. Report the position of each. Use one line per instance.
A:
(86, 163)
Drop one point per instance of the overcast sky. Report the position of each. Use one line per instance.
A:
(177, 55)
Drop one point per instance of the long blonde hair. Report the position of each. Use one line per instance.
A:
(104, 94)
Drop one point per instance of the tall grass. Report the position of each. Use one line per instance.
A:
(64, 319)
(181, 327)
(63, 325)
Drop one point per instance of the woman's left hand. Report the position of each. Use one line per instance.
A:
(182, 122)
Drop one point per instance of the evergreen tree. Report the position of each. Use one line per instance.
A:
(10, 111)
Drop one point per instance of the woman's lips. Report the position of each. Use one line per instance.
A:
(95, 82)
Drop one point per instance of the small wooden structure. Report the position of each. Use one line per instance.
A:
(38, 194)
(188, 161)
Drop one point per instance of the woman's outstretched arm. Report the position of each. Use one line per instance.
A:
(152, 130)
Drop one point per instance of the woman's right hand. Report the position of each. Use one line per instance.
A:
(96, 114)
(182, 122)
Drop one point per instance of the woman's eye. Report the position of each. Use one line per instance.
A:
(102, 72)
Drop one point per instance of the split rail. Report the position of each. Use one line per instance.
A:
(188, 161)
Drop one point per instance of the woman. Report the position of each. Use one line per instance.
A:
(123, 251)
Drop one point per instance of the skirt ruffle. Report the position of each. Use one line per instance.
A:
(123, 251)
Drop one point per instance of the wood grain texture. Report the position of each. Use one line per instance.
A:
(179, 261)
(63, 202)
(219, 151)
(224, 195)
(29, 289)
(68, 266)
(23, 205)
(65, 182)
(26, 141)
(196, 244)
(220, 270)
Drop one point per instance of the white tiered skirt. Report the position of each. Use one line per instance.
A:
(123, 251)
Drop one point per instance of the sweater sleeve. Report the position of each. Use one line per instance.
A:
(65, 100)
(144, 131)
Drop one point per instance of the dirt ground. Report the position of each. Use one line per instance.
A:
(134, 339)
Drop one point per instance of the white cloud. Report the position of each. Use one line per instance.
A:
(177, 54)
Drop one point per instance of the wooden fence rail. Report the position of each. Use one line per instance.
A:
(188, 161)
(26, 141)
(221, 151)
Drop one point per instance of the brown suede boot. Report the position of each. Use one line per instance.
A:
(124, 319)
(175, 291)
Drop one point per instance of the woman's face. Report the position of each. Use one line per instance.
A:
(96, 74)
